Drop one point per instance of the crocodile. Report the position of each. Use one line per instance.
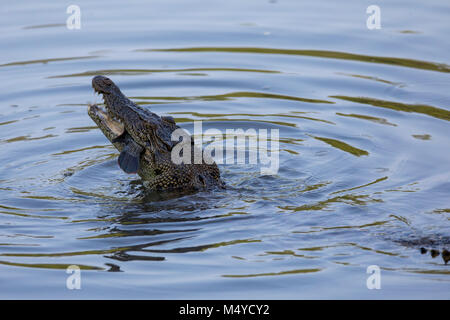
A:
(144, 140)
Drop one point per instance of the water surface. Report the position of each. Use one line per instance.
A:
(364, 174)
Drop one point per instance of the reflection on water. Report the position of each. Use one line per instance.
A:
(44, 61)
(135, 72)
(401, 62)
(424, 109)
(364, 167)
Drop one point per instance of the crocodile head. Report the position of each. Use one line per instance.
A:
(147, 128)
(144, 140)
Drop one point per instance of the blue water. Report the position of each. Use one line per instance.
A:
(364, 173)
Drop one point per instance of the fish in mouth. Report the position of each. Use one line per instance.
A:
(144, 140)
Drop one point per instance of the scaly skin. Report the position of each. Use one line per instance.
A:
(125, 119)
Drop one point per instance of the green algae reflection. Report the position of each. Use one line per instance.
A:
(237, 94)
(398, 106)
(134, 72)
(281, 273)
(366, 117)
(400, 62)
(48, 265)
(45, 61)
(343, 146)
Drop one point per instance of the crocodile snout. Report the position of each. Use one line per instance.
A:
(102, 84)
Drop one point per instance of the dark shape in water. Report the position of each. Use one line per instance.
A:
(434, 253)
(445, 255)
(430, 242)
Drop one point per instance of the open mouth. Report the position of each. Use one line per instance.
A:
(105, 121)
(100, 92)
(106, 108)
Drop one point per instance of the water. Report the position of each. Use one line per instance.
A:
(364, 161)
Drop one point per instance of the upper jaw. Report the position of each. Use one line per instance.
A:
(99, 90)
(103, 93)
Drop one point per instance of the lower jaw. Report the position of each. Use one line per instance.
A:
(105, 120)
